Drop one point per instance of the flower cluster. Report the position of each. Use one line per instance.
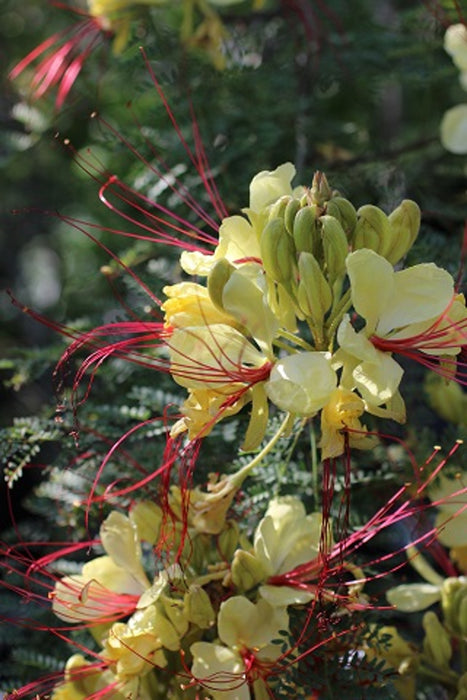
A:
(296, 312)
(302, 309)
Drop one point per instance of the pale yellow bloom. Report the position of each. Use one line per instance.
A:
(285, 538)
(396, 306)
(88, 596)
(135, 648)
(343, 412)
(242, 626)
(454, 129)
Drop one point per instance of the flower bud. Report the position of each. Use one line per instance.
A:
(174, 610)
(320, 191)
(371, 230)
(277, 252)
(454, 604)
(344, 211)
(305, 232)
(447, 398)
(291, 210)
(437, 644)
(404, 224)
(314, 294)
(227, 540)
(217, 279)
(246, 570)
(198, 608)
(335, 246)
(277, 209)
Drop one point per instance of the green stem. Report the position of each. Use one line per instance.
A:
(314, 467)
(285, 462)
(237, 478)
(336, 317)
(295, 339)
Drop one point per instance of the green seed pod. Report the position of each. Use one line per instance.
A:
(277, 252)
(404, 225)
(198, 608)
(246, 570)
(217, 279)
(314, 294)
(372, 229)
(344, 211)
(290, 212)
(335, 246)
(437, 644)
(305, 232)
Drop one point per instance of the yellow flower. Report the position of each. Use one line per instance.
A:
(189, 304)
(412, 311)
(339, 417)
(246, 631)
(108, 586)
(454, 129)
(135, 648)
(285, 538)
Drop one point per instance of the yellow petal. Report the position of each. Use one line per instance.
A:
(302, 383)
(372, 285)
(269, 185)
(454, 129)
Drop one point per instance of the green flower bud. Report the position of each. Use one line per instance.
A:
(290, 212)
(277, 252)
(174, 610)
(344, 211)
(218, 278)
(372, 229)
(246, 570)
(335, 246)
(314, 294)
(277, 209)
(437, 644)
(227, 540)
(198, 608)
(320, 191)
(447, 399)
(404, 224)
(305, 232)
(454, 604)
